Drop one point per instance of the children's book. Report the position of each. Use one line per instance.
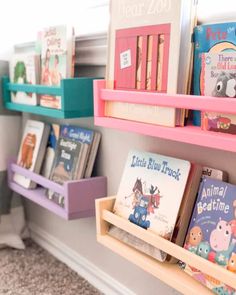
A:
(151, 191)
(51, 148)
(215, 173)
(57, 60)
(212, 233)
(32, 150)
(71, 157)
(211, 38)
(24, 69)
(149, 49)
(218, 78)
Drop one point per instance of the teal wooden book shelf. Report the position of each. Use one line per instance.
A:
(76, 97)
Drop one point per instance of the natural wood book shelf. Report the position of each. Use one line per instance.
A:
(171, 274)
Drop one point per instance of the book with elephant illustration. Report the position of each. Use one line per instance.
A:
(150, 183)
(218, 78)
(32, 150)
(24, 68)
(212, 231)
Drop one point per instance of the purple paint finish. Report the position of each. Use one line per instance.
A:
(79, 195)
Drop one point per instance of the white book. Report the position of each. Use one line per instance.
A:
(150, 192)
(32, 150)
(24, 68)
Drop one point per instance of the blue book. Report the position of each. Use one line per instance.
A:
(218, 37)
(212, 231)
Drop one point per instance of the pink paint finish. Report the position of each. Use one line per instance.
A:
(187, 134)
(79, 195)
(127, 40)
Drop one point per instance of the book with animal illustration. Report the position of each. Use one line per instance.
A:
(70, 158)
(32, 150)
(212, 231)
(211, 38)
(57, 60)
(149, 184)
(218, 78)
(149, 48)
(24, 69)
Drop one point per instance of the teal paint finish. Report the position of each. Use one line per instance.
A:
(76, 95)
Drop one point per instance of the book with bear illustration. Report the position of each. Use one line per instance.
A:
(32, 150)
(150, 183)
(212, 231)
(218, 78)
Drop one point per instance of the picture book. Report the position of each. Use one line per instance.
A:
(218, 78)
(212, 233)
(146, 191)
(211, 38)
(70, 157)
(65, 165)
(24, 69)
(214, 173)
(186, 207)
(51, 148)
(57, 60)
(149, 45)
(32, 150)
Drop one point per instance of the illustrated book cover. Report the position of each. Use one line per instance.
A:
(146, 191)
(149, 44)
(218, 78)
(24, 69)
(211, 38)
(70, 157)
(51, 148)
(32, 150)
(212, 231)
(57, 60)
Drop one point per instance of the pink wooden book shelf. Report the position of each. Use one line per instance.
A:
(79, 195)
(171, 274)
(188, 134)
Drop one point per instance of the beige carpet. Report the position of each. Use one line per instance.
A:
(35, 272)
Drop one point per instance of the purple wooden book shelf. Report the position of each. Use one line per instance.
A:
(79, 195)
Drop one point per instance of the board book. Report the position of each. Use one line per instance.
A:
(149, 49)
(218, 78)
(146, 190)
(57, 60)
(211, 38)
(24, 69)
(32, 150)
(212, 231)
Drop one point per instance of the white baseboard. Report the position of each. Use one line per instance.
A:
(96, 277)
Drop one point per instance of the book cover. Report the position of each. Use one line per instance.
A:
(65, 165)
(212, 233)
(51, 148)
(146, 191)
(214, 173)
(57, 59)
(146, 40)
(218, 78)
(24, 69)
(212, 38)
(32, 150)
(70, 158)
